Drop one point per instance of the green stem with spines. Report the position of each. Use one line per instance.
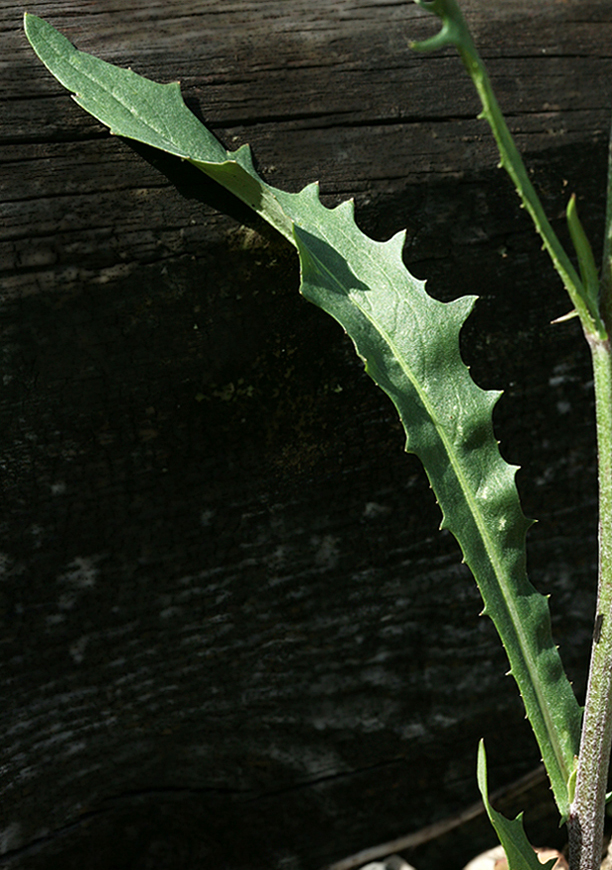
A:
(605, 302)
(586, 819)
(588, 806)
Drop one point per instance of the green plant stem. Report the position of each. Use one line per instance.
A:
(585, 824)
(586, 819)
(456, 32)
(605, 302)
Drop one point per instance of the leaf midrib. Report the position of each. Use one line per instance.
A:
(492, 551)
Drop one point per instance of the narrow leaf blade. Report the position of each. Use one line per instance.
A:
(519, 852)
(410, 345)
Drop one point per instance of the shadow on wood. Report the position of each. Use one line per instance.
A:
(230, 631)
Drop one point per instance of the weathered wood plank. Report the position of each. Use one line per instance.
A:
(228, 628)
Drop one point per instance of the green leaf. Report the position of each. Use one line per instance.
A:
(584, 252)
(519, 852)
(410, 345)
(116, 97)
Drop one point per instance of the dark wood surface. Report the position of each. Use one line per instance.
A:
(230, 633)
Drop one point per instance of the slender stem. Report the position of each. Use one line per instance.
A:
(605, 302)
(585, 823)
(512, 162)
(456, 32)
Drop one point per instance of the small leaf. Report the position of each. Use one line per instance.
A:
(519, 851)
(584, 252)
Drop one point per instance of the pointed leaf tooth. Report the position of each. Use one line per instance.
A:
(395, 246)
(346, 206)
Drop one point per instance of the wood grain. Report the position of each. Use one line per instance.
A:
(229, 631)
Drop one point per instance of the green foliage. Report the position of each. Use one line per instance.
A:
(519, 852)
(581, 290)
(409, 343)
